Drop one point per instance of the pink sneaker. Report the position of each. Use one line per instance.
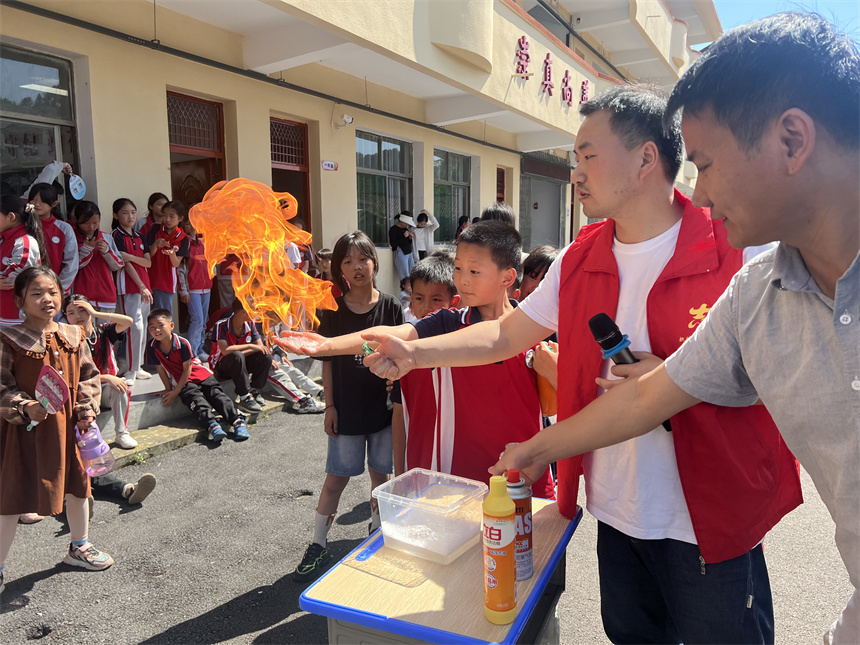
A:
(30, 518)
(88, 557)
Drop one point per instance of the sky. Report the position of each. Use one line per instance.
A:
(844, 13)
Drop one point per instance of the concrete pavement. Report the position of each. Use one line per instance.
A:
(208, 557)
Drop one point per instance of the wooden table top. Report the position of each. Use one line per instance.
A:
(400, 593)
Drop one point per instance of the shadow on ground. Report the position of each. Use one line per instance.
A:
(261, 608)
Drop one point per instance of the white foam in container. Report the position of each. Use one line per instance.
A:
(432, 515)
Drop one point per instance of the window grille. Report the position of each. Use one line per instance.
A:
(194, 123)
(289, 143)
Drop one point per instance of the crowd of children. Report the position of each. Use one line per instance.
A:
(143, 263)
(430, 419)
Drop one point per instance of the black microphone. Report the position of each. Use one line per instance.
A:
(614, 344)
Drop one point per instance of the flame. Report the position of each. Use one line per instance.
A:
(249, 220)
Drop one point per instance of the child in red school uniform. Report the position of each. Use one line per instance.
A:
(153, 217)
(132, 284)
(185, 377)
(41, 469)
(195, 287)
(60, 241)
(99, 257)
(238, 353)
(21, 246)
(167, 244)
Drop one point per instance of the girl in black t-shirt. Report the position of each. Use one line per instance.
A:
(357, 415)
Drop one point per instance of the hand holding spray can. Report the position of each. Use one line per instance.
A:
(522, 498)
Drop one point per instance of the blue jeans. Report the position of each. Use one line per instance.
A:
(403, 263)
(655, 591)
(162, 300)
(198, 308)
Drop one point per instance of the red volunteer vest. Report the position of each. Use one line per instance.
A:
(739, 478)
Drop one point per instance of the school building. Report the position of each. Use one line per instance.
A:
(359, 108)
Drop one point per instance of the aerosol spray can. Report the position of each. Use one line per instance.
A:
(522, 498)
(500, 576)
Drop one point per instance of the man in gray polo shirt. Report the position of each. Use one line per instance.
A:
(770, 119)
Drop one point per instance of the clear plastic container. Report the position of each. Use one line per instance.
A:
(432, 515)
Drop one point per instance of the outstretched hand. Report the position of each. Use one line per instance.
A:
(392, 358)
(304, 343)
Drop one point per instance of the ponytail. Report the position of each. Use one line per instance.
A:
(33, 225)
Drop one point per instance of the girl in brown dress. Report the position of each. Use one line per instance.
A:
(42, 467)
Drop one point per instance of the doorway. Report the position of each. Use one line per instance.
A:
(290, 172)
(196, 132)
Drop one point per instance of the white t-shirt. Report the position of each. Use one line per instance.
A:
(633, 486)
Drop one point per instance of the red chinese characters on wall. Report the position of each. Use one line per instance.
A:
(583, 93)
(566, 89)
(522, 60)
(546, 83)
(523, 57)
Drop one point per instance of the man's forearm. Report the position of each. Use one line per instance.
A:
(481, 344)
(628, 410)
(353, 343)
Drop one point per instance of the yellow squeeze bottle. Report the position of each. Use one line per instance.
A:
(500, 572)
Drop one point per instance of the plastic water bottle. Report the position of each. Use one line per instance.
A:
(95, 453)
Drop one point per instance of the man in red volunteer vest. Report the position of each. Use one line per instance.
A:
(681, 514)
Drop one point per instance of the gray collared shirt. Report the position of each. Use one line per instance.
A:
(774, 335)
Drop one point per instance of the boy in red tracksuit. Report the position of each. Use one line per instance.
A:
(185, 377)
(195, 286)
(167, 244)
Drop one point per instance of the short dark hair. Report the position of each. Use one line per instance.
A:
(324, 254)
(237, 305)
(637, 116)
(159, 313)
(539, 259)
(422, 217)
(503, 241)
(344, 243)
(435, 269)
(757, 71)
(444, 250)
(499, 211)
(518, 280)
